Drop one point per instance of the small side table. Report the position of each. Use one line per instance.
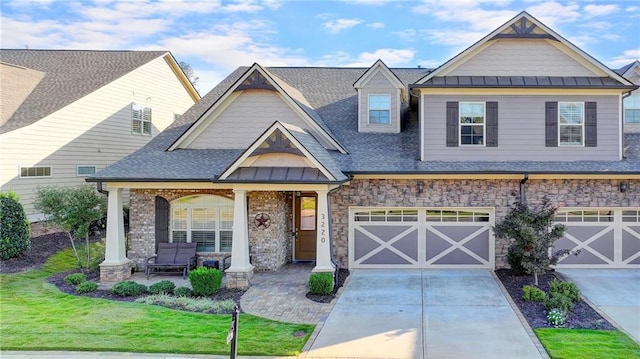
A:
(210, 263)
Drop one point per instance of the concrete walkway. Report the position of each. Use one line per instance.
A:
(423, 314)
(614, 292)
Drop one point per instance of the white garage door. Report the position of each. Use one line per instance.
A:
(607, 238)
(421, 238)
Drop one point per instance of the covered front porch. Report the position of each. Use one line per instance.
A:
(272, 224)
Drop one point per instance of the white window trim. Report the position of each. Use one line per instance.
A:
(369, 109)
(189, 207)
(21, 167)
(581, 125)
(484, 124)
(142, 120)
(626, 105)
(95, 169)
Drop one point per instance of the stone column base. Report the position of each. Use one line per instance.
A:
(116, 272)
(239, 280)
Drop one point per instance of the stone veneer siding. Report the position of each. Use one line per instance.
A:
(498, 194)
(269, 248)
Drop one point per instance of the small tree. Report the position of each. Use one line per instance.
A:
(188, 70)
(532, 233)
(72, 209)
(14, 226)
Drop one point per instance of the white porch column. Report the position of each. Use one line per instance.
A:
(115, 251)
(323, 246)
(240, 247)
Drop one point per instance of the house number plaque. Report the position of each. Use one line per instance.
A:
(262, 220)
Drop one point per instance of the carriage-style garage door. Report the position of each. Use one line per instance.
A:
(421, 238)
(607, 238)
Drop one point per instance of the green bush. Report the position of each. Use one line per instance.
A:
(560, 302)
(162, 287)
(86, 287)
(183, 292)
(203, 305)
(321, 283)
(205, 281)
(567, 289)
(14, 227)
(533, 294)
(75, 278)
(128, 288)
(515, 255)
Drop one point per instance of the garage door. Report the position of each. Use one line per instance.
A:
(607, 238)
(421, 238)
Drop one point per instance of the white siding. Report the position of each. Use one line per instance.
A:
(95, 130)
(510, 57)
(379, 85)
(521, 130)
(246, 119)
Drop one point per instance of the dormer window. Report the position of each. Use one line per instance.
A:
(379, 109)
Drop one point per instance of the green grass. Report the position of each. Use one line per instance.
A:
(35, 315)
(583, 343)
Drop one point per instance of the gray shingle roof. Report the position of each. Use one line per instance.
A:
(329, 91)
(524, 81)
(69, 75)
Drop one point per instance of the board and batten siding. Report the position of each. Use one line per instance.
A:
(94, 130)
(379, 85)
(521, 130)
(510, 57)
(244, 120)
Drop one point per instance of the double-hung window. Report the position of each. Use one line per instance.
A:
(205, 220)
(472, 123)
(380, 109)
(140, 120)
(632, 109)
(570, 123)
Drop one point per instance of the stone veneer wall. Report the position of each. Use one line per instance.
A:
(498, 194)
(270, 248)
(142, 220)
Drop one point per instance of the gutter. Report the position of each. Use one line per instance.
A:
(101, 190)
(523, 189)
(333, 259)
(625, 95)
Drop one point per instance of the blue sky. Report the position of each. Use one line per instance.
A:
(215, 37)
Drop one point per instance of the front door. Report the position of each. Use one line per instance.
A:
(305, 236)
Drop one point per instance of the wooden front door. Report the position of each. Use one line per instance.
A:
(305, 236)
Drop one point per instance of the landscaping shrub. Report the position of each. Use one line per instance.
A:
(128, 288)
(205, 281)
(162, 287)
(183, 292)
(556, 317)
(321, 283)
(569, 290)
(533, 294)
(515, 254)
(14, 227)
(560, 302)
(75, 278)
(86, 287)
(203, 305)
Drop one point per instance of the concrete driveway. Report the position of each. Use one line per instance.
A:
(615, 292)
(422, 314)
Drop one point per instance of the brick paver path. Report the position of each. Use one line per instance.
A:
(280, 295)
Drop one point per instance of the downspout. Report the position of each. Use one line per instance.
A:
(333, 259)
(622, 124)
(100, 189)
(523, 189)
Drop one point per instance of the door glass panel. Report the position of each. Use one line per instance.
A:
(307, 213)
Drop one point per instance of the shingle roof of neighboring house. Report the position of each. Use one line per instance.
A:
(69, 76)
(524, 82)
(621, 71)
(330, 92)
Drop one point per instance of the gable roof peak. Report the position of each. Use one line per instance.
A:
(378, 66)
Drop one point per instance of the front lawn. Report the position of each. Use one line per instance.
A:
(584, 343)
(35, 315)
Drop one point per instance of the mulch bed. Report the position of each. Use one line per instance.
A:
(42, 247)
(343, 273)
(581, 317)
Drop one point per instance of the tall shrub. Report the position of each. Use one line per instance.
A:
(15, 238)
(532, 234)
(72, 209)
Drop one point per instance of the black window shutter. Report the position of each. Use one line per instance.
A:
(551, 124)
(162, 221)
(492, 124)
(452, 124)
(590, 124)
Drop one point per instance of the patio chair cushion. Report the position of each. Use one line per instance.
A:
(185, 252)
(166, 253)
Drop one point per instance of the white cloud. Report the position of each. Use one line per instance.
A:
(369, 2)
(626, 58)
(455, 37)
(391, 57)
(552, 12)
(376, 25)
(335, 26)
(601, 10)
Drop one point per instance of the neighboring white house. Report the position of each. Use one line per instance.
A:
(632, 102)
(67, 114)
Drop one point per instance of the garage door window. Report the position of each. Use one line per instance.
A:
(456, 216)
(584, 216)
(630, 216)
(391, 215)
